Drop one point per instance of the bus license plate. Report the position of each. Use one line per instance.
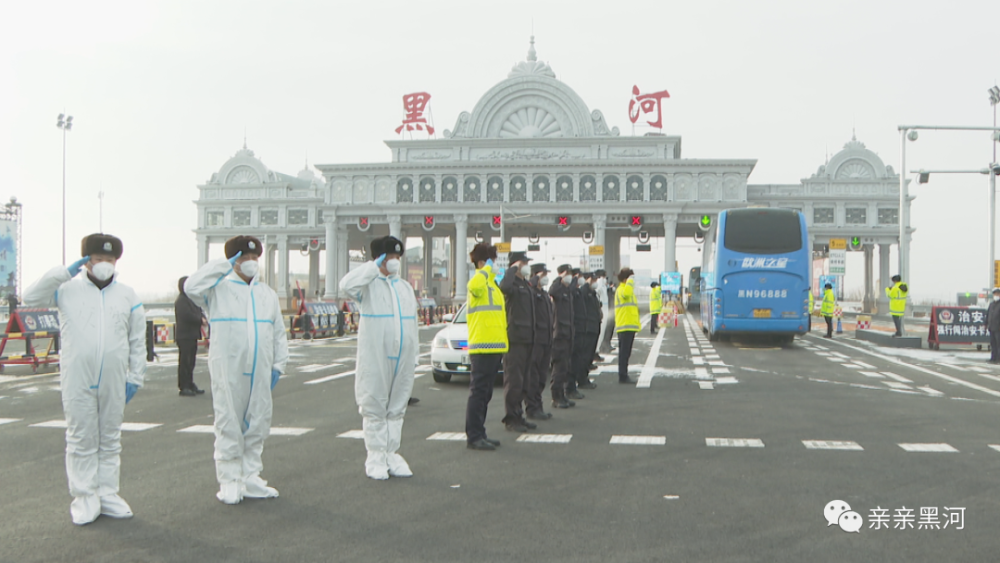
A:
(465, 360)
(762, 313)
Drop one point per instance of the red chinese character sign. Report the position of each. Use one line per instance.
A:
(647, 104)
(414, 105)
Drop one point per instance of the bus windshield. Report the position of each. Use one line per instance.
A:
(763, 231)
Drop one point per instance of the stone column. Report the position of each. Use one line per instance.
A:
(202, 250)
(332, 279)
(282, 288)
(884, 281)
(600, 235)
(612, 253)
(869, 299)
(669, 242)
(428, 262)
(342, 255)
(461, 261)
(313, 292)
(395, 228)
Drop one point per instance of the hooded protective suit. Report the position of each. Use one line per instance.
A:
(387, 350)
(248, 342)
(103, 334)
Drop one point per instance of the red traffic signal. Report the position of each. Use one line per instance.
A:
(637, 220)
(562, 221)
(428, 220)
(363, 221)
(497, 220)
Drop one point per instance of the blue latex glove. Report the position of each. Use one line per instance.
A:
(74, 268)
(379, 260)
(274, 377)
(489, 262)
(130, 389)
(234, 258)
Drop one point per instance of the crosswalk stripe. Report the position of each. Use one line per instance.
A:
(939, 447)
(198, 429)
(707, 385)
(545, 438)
(898, 378)
(734, 442)
(639, 440)
(831, 445)
(9, 420)
(126, 426)
(872, 374)
(353, 434)
(289, 431)
(897, 385)
(448, 436)
(329, 378)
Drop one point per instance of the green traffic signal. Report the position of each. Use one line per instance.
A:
(856, 241)
(706, 220)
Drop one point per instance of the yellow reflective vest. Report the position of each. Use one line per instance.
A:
(829, 304)
(897, 299)
(486, 315)
(655, 301)
(626, 308)
(812, 304)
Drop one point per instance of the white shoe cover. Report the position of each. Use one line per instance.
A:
(398, 466)
(115, 507)
(255, 487)
(376, 467)
(85, 510)
(230, 493)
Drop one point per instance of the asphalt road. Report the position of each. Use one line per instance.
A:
(724, 451)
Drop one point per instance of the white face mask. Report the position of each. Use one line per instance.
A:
(526, 271)
(103, 270)
(996, 297)
(567, 279)
(392, 266)
(543, 282)
(250, 268)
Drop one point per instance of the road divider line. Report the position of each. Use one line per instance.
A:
(734, 442)
(545, 438)
(329, 378)
(943, 376)
(832, 445)
(639, 440)
(648, 370)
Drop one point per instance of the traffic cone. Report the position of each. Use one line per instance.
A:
(840, 329)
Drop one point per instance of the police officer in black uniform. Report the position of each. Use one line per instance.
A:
(541, 352)
(580, 361)
(595, 314)
(562, 343)
(520, 302)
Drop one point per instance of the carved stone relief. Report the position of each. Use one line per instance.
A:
(707, 185)
(684, 187)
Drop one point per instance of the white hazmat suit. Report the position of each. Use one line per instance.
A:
(103, 333)
(247, 341)
(387, 351)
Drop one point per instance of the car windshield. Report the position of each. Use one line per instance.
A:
(460, 317)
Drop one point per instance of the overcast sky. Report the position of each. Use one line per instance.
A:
(161, 93)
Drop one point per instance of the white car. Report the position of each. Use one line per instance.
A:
(450, 349)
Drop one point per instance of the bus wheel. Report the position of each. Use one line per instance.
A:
(785, 340)
(713, 336)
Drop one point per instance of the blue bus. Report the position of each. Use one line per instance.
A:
(758, 275)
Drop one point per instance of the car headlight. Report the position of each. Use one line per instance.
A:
(440, 342)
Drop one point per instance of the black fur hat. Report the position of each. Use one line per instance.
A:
(482, 252)
(245, 244)
(100, 243)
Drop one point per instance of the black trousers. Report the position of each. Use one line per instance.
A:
(898, 321)
(538, 372)
(994, 346)
(654, 322)
(485, 368)
(581, 358)
(187, 350)
(829, 325)
(516, 364)
(625, 341)
(561, 352)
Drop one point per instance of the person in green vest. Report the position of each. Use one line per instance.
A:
(655, 306)
(626, 321)
(812, 307)
(487, 318)
(828, 307)
(897, 302)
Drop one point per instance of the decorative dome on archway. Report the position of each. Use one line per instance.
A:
(243, 168)
(530, 103)
(855, 162)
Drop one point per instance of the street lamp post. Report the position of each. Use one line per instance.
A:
(65, 122)
(994, 100)
(910, 132)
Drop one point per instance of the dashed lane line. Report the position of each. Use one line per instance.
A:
(329, 378)
(734, 442)
(832, 445)
(639, 440)
(940, 447)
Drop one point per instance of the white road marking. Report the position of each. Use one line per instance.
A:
(831, 445)
(725, 380)
(706, 385)
(942, 447)
(851, 366)
(698, 360)
(289, 431)
(864, 365)
(897, 385)
(932, 392)
(316, 368)
(952, 366)
(695, 352)
(354, 434)
(649, 370)
(734, 442)
(639, 440)
(701, 373)
(872, 374)
(949, 378)
(719, 363)
(198, 429)
(862, 386)
(138, 426)
(545, 438)
(9, 420)
(449, 436)
(50, 424)
(720, 370)
(898, 378)
(990, 377)
(329, 378)
(995, 447)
